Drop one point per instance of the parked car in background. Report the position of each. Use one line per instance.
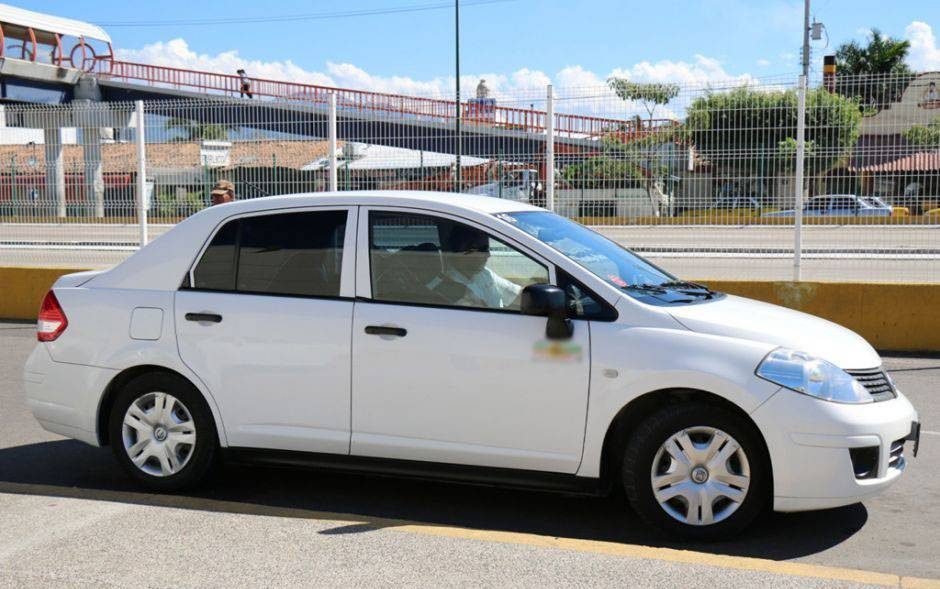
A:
(518, 185)
(840, 205)
(736, 202)
(466, 338)
(725, 208)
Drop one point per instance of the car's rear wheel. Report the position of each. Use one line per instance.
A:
(162, 432)
(696, 471)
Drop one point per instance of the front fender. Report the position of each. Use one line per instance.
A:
(627, 363)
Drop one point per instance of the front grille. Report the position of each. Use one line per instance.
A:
(896, 457)
(876, 381)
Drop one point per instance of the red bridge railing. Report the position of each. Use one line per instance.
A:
(570, 125)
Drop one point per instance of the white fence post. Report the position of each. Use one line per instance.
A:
(331, 144)
(798, 190)
(550, 150)
(55, 168)
(141, 174)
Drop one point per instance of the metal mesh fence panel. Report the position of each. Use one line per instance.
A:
(697, 177)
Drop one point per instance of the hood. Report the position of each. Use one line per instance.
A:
(733, 316)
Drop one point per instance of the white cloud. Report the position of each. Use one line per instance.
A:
(176, 53)
(763, 62)
(582, 90)
(924, 54)
(701, 72)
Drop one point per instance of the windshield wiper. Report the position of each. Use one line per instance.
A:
(645, 286)
(687, 287)
(683, 284)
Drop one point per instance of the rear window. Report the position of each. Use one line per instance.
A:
(296, 254)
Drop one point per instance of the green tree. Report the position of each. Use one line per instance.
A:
(189, 130)
(875, 73)
(604, 171)
(650, 96)
(752, 131)
(924, 135)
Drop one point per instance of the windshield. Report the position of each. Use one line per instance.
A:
(603, 257)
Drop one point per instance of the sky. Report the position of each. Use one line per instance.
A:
(517, 45)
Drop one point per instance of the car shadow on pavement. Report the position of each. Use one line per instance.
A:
(365, 503)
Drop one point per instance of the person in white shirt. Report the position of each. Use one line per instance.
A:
(931, 94)
(465, 258)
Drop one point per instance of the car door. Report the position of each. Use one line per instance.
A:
(817, 206)
(264, 321)
(445, 370)
(844, 206)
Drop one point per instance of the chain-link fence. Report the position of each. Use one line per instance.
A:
(700, 178)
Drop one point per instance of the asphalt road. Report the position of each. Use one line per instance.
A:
(70, 518)
(844, 253)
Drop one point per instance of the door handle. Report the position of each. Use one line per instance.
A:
(386, 330)
(210, 317)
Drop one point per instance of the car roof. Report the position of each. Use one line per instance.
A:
(418, 198)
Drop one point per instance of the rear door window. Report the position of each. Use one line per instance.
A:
(844, 203)
(298, 254)
(820, 204)
(216, 269)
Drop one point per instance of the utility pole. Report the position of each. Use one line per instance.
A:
(457, 171)
(331, 143)
(550, 150)
(800, 151)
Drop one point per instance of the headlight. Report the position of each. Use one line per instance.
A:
(812, 376)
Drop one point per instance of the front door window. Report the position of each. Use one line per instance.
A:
(432, 260)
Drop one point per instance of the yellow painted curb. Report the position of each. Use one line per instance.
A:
(891, 316)
(672, 555)
(637, 551)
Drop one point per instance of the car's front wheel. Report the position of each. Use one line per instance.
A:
(696, 471)
(162, 432)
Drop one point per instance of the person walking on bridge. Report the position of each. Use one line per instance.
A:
(245, 84)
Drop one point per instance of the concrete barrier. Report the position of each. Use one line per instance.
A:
(896, 317)
(22, 289)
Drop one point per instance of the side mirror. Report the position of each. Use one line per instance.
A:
(546, 300)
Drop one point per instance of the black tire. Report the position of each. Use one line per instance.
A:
(655, 430)
(202, 454)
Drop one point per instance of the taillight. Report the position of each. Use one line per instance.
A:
(52, 321)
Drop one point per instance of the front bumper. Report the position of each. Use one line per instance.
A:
(809, 441)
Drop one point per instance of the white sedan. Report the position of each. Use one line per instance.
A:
(468, 338)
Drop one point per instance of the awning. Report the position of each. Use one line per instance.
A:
(49, 23)
(922, 161)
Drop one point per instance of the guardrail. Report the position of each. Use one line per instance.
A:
(532, 120)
